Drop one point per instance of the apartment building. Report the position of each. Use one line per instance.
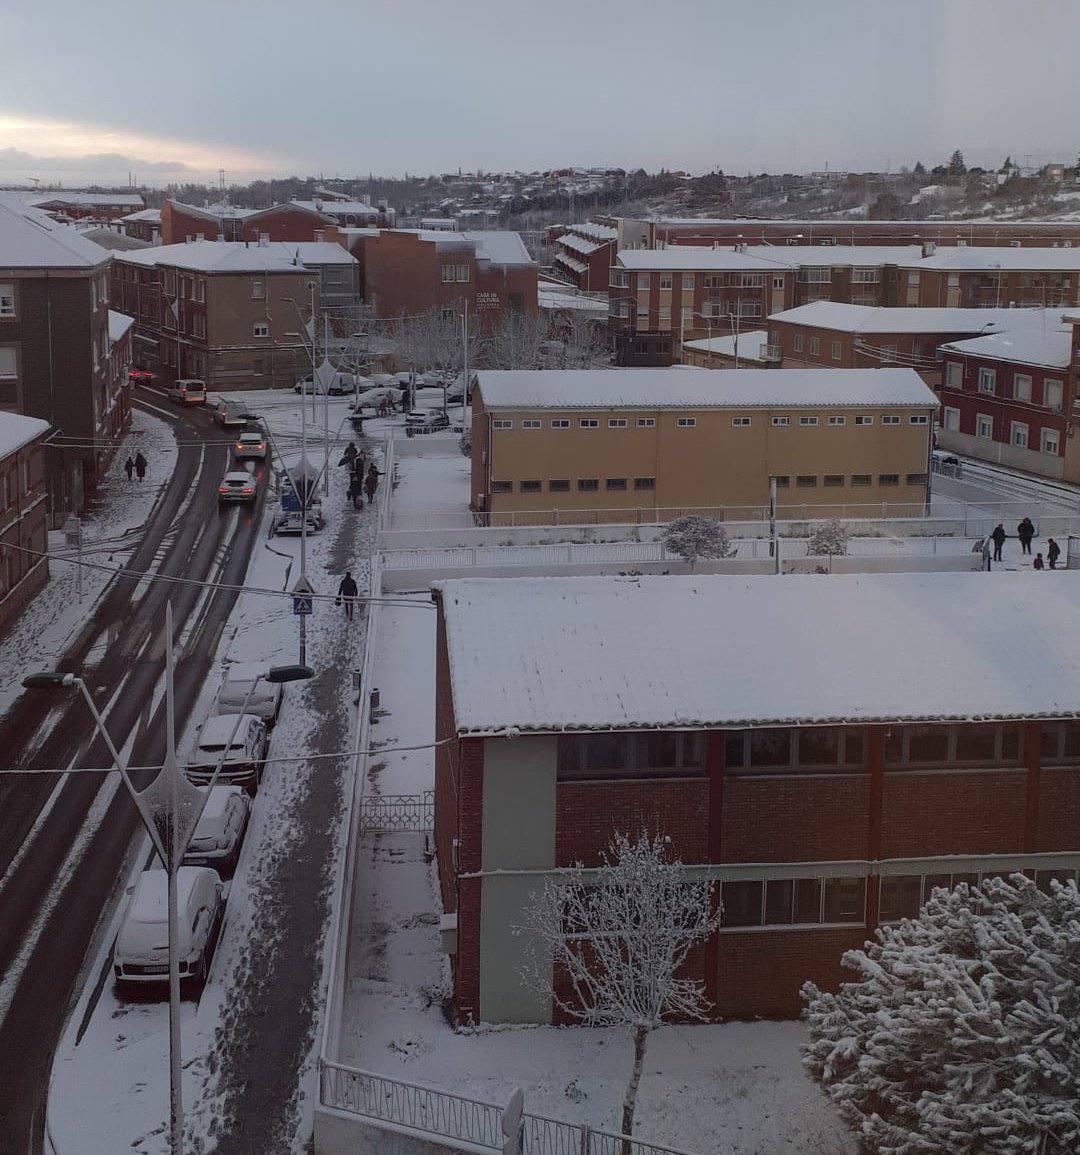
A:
(82, 206)
(662, 297)
(979, 278)
(739, 350)
(231, 313)
(347, 213)
(24, 506)
(855, 274)
(488, 273)
(643, 444)
(54, 344)
(144, 225)
(584, 254)
(825, 749)
(1010, 398)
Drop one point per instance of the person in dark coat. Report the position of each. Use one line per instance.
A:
(356, 490)
(1038, 562)
(998, 538)
(371, 483)
(1025, 531)
(346, 594)
(129, 467)
(1053, 552)
(349, 455)
(140, 465)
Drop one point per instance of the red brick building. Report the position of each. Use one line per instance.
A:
(584, 254)
(23, 513)
(294, 221)
(806, 743)
(145, 225)
(407, 272)
(82, 206)
(982, 278)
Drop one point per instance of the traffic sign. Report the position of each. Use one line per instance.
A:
(302, 605)
(303, 596)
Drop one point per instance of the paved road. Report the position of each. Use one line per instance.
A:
(120, 654)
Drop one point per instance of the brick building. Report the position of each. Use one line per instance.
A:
(643, 444)
(23, 513)
(81, 206)
(54, 344)
(980, 278)
(145, 225)
(740, 350)
(406, 272)
(584, 254)
(808, 743)
(231, 313)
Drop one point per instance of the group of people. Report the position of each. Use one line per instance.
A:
(360, 482)
(137, 465)
(1025, 533)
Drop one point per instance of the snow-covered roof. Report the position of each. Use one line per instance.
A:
(91, 200)
(836, 226)
(119, 324)
(685, 387)
(970, 258)
(749, 345)
(17, 431)
(30, 239)
(499, 246)
(1051, 350)
(214, 212)
(151, 215)
(571, 262)
(578, 244)
(338, 208)
(596, 232)
(243, 257)
(846, 318)
(694, 257)
(838, 256)
(555, 299)
(588, 653)
(151, 903)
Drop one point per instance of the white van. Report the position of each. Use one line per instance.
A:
(265, 700)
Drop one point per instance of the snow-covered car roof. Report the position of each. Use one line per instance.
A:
(220, 799)
(217, 730)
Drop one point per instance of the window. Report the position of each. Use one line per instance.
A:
(7, 300)
(864, 276)
(807, 421)
(1052, 395)
(646, 422)
(1050, 442)
(984, 425)
(588, 484)
(447, 313)
(778, 282)
(864, 419)
(663, 316)
(616, 423)
(688, 282)
(502, 423)
(860, 479)
(562, 485)
(834, 479)
(258, 290)
(502, 487)
(783, 481)
(198, 326)
(200, 291)
(797, 342)
(888, 479)
(8, 365)
(665, 282)
(1019, 435)
(643, 282)
(531, 423)
(259, 329)
(93, 295)
(817, 276)
(560, 423)
(837, 350)
(529, 486)
(447, 274)
(780, 422)
(589, 423)
(615, 483)
(1021, 387)
(751, 280)
(618, 280)
(644, 482)
(890, 419)
(686, 422)
(805, 481)
(462, 272)
(740, 423)
(899, 897)
(987, 380)
(835, 421)
(815, 346)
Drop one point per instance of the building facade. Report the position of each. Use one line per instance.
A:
(24, 513)
(805, 744)
(584, 254)
(983, 278)
(649, 444)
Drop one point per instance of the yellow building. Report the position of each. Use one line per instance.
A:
(650, 444)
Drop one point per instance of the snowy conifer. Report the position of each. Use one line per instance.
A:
(692, 537)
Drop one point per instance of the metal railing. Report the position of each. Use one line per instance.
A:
(447, 1116)
(398, 813)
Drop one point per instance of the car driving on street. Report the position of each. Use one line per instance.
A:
(231, 414)
(238, 485)
(188, 391)
(250, 446)
(242, 753)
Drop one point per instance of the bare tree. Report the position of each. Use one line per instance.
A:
(619, 935)
(693, 536)
(829, 539)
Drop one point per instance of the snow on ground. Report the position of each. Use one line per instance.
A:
(732, 1089)
(433, 481)
(110, 533)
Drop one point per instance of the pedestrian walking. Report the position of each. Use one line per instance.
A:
(346, 594)
(371, 483)
(1053, 552)
(998, 538)
(356, 490)
(1025, 531)
(349, 456)
(129, 467)
(140, 465)
(1038, 562)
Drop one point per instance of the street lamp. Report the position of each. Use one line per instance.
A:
(170, 809)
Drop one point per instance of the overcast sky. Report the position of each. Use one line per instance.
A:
(346, 87)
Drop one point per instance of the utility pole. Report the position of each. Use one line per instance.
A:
(326, 409)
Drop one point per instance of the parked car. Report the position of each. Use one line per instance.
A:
(188, 391)
(238, 485)
(241, 684)
(141, 953)
(336, 384)
(425, 421)
(219, 833)
(244, 752)
(231, 414)
(140, 376)
(250, 447)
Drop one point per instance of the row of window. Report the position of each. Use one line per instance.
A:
(740, 422)
(710, 311)
(584, 485)
(1052, 389)
(1018, 433)
(620, 280)
(7, 301)
(452, 273)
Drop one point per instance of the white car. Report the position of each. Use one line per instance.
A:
(238, 485)
(249, 446)
(141, 953)
(219, 834)
(239, 685)
(244, 752)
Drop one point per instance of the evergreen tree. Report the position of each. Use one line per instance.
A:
(956, 164)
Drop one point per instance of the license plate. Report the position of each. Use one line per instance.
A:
(155, 970)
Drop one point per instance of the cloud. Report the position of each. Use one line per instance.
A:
(20, 161)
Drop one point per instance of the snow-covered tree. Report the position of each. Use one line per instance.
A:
(962, 1034)
(618, 937)
(693, 536)
(956, 164)
(829, 539)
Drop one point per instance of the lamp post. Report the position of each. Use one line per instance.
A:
(170, 809)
